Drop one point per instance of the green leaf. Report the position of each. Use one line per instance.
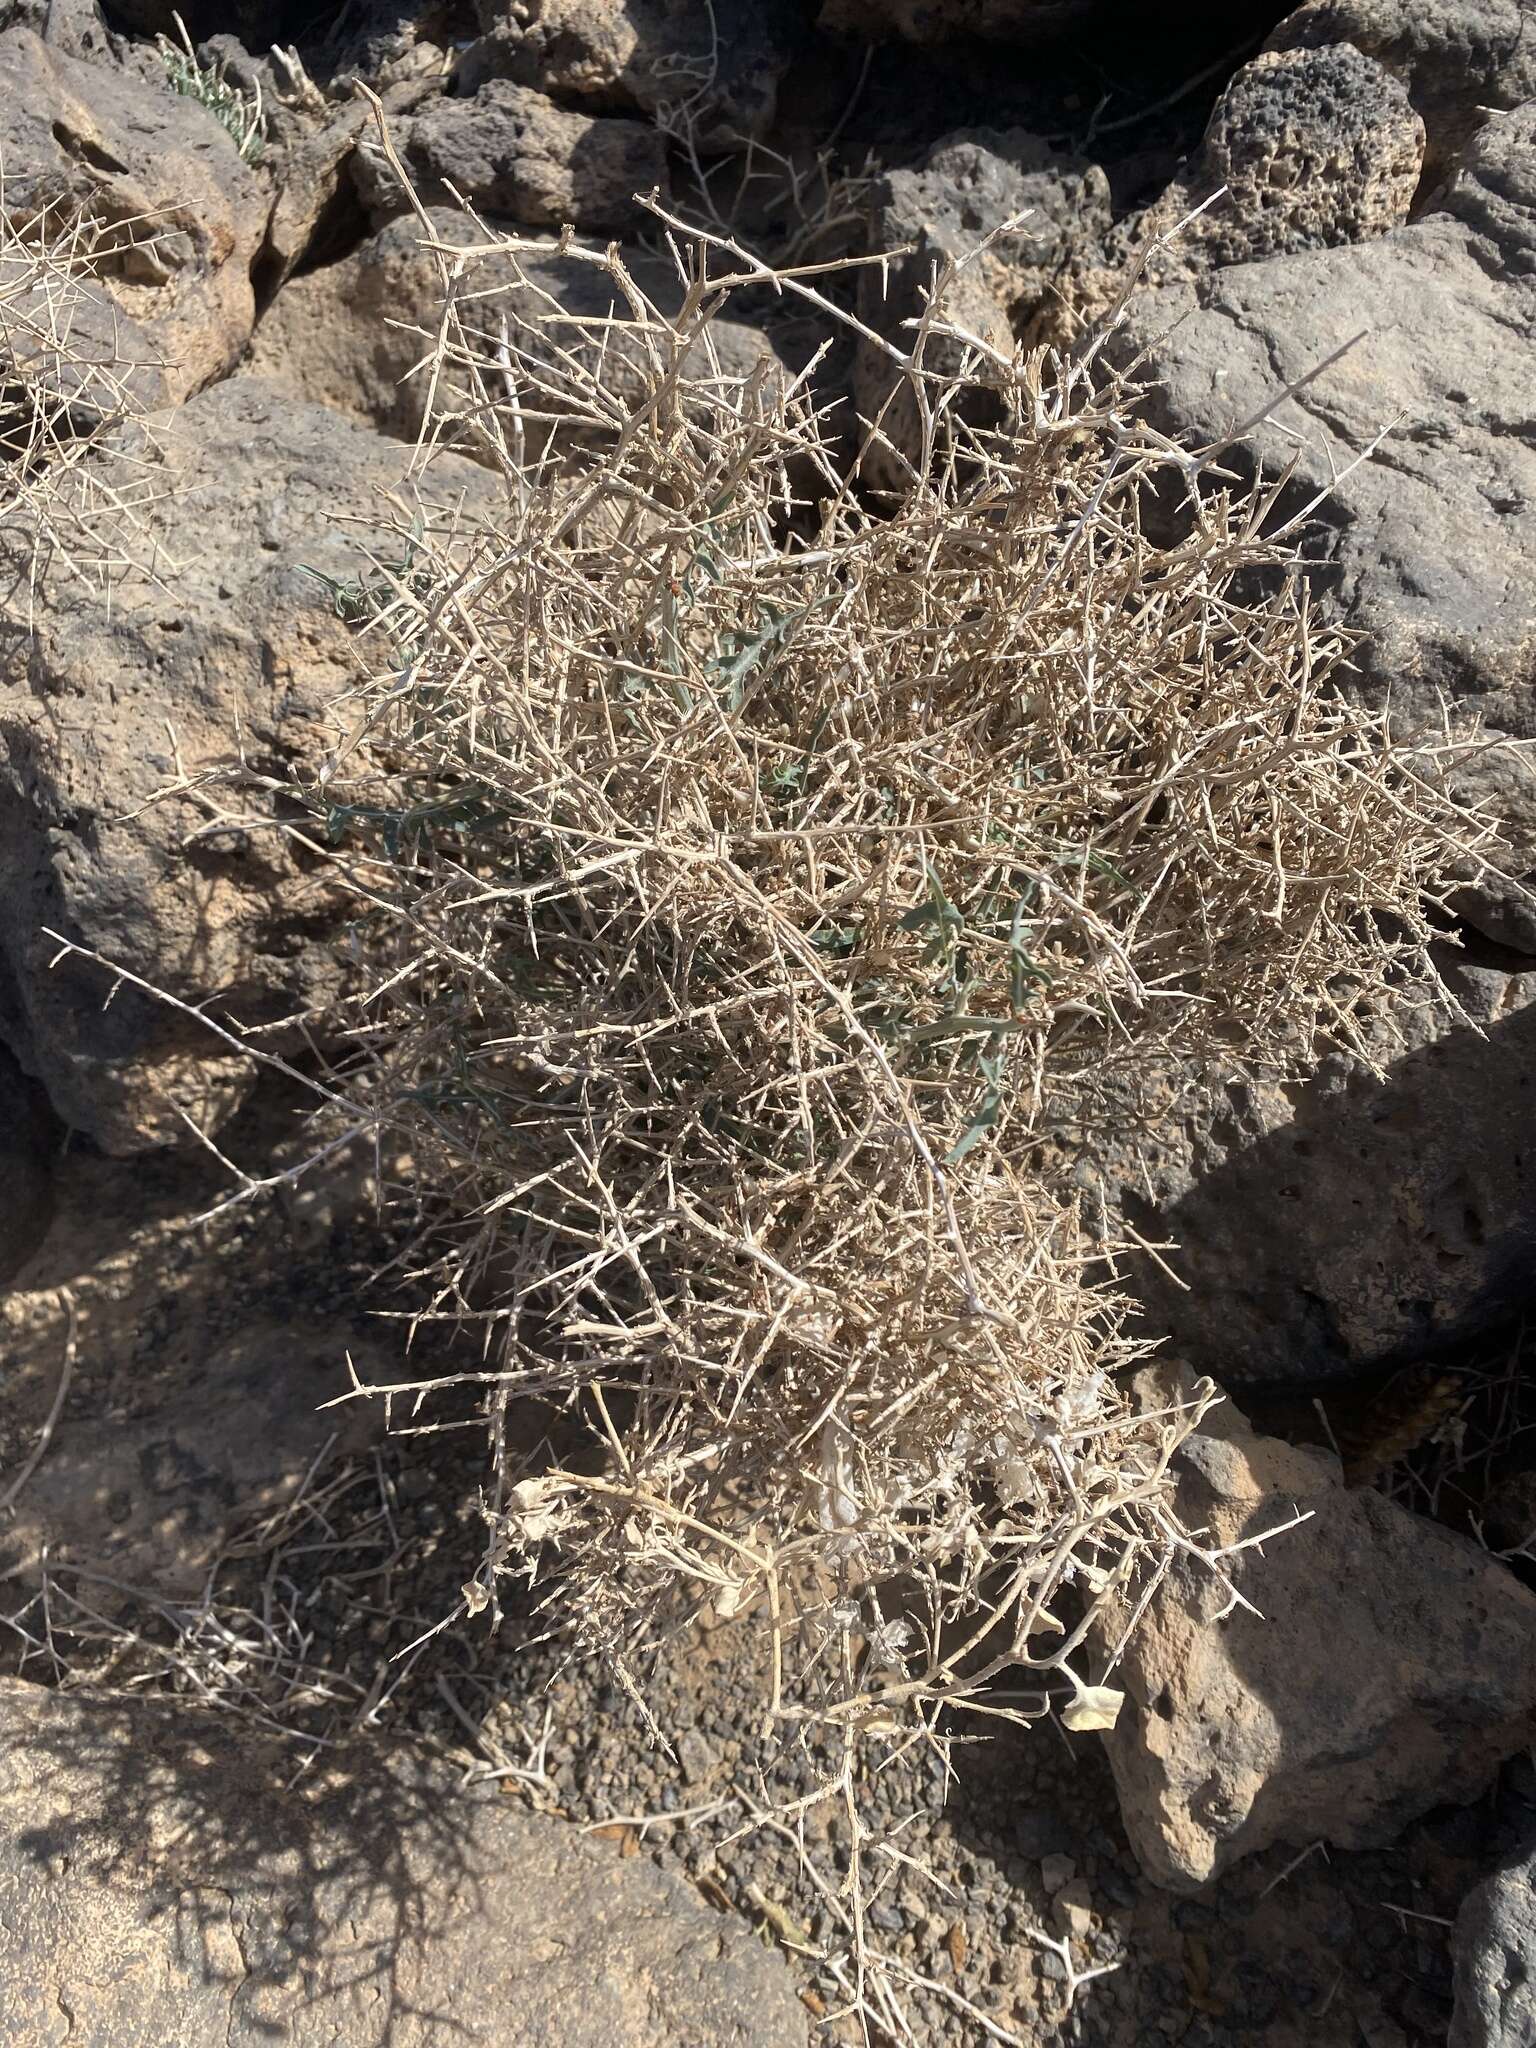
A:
(960, 1026)
(987, 1109)
(1021, 969)
(914, 920)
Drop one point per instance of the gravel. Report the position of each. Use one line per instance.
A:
(1026, 1846)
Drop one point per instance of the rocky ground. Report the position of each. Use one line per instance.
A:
(235, 1746)
(341, 1551)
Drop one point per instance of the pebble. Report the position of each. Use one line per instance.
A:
(697, 1758)
(1073, 1906)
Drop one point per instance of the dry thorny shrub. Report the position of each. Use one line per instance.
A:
(744, 864)
(748, 863)
(66, 385)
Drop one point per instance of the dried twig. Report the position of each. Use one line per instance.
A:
(751, 874)
(45, 1434)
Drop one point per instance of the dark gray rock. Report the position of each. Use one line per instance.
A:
(1364, 1218)
(1355, 1221)
(716, 69)
(1382, 1665)
(1314, 148)
(947, 211)
(1425, 542)
(1459, 59)
(512, 152)
(75, 28)
(942, 21)
(1314, 125)
(146, 17)
(29, 1138)
(393, 50)
(166, 1877)
(1509, 1512)
(1495, 1947)
(1305, 149)
(1493, 189)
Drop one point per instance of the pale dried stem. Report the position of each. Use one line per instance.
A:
(751, 873)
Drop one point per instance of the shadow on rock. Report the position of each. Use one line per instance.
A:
(140, 1829)
(168, 1876)
(1356, 1221)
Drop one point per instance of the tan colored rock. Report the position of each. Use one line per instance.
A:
(1376, 1665)
(351, 336)
(219, 636)
(168, 1877)
(181, 215)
